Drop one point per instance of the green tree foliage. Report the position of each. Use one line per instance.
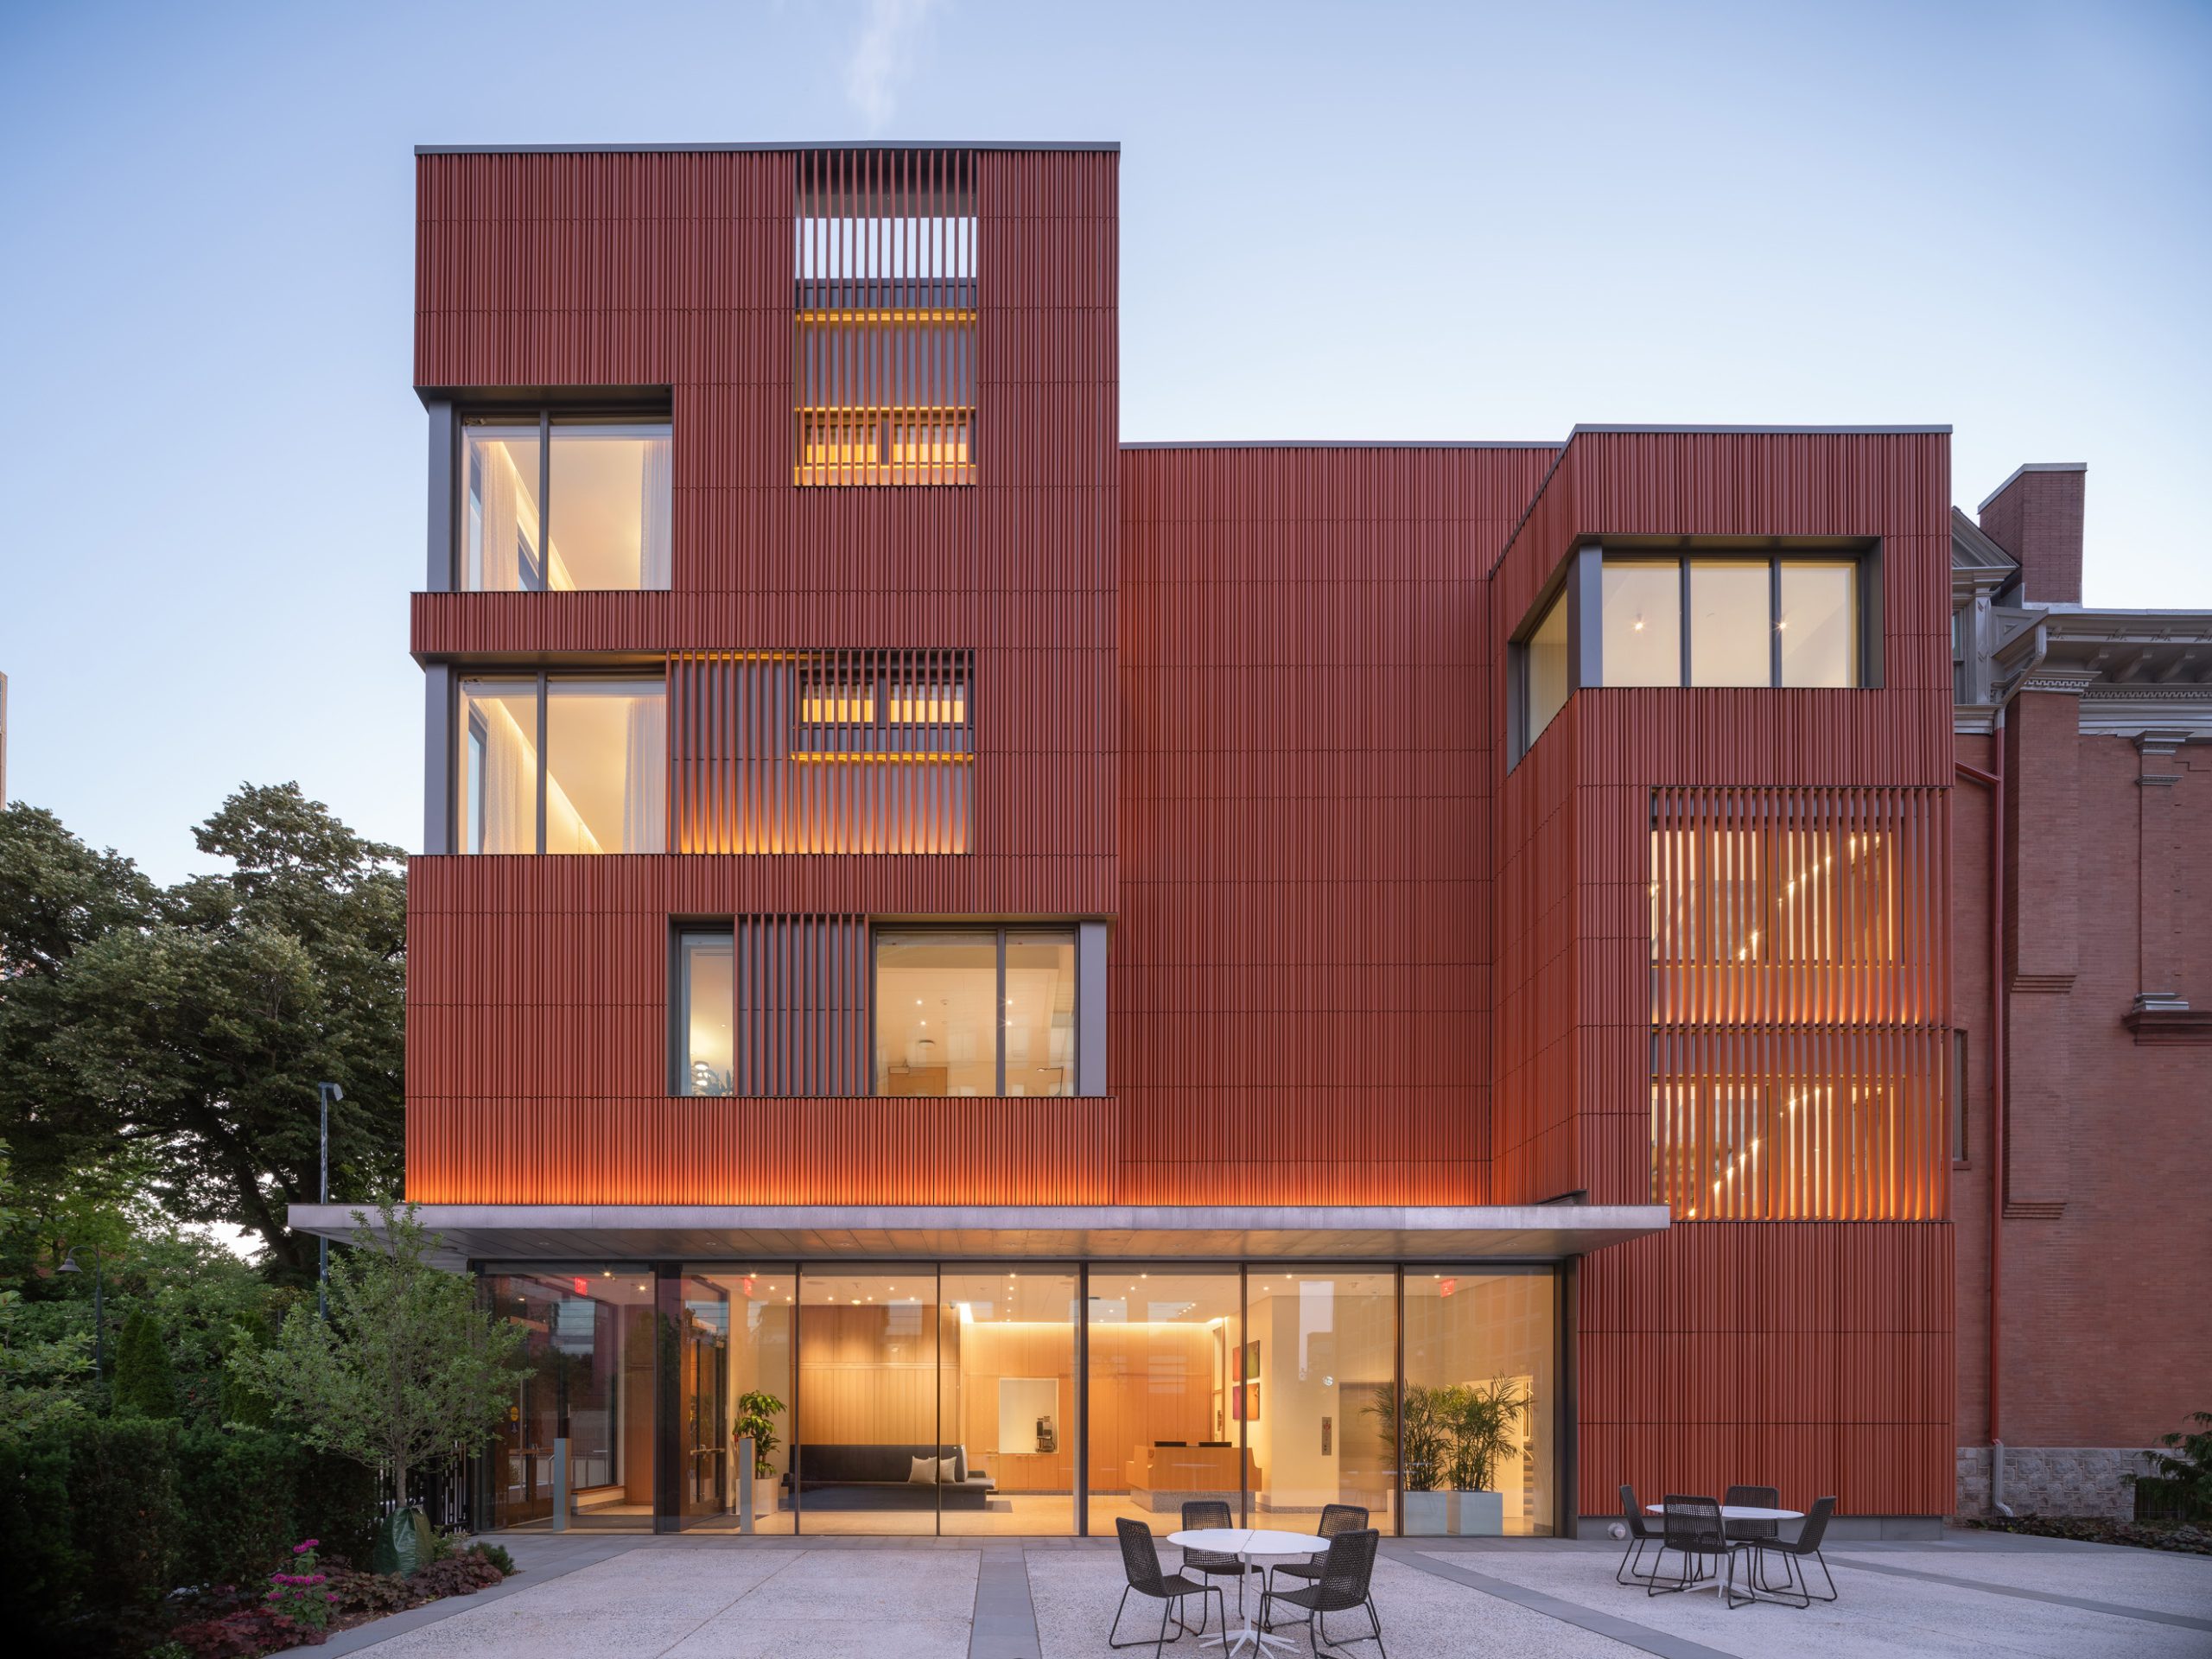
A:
(38, 1372)
(178, 1035)
(407, 1373)
(145, 1383)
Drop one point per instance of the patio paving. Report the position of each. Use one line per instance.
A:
(1973, 1595)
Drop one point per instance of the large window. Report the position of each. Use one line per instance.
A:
(706, 1043)
(975, 1013)
(550, 503)
(1544, 664)
(555, 765)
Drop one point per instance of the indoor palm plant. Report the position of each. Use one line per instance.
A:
(1481, 1423)
(1423, 1444)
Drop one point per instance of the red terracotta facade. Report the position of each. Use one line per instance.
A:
(1249, 706)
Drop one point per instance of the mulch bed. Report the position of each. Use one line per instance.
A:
(2181, 1535)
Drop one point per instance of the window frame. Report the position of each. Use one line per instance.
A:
(999, 931)
(681, 929)
(647, 412)
(458, 786)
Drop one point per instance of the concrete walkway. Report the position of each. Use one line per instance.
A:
(1968, 1595)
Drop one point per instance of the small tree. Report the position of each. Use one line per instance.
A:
(756, 1416)
(145, 1383)
(409, 1371)
(2186, 1465)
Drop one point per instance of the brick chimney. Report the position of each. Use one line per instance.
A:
(2036, 516)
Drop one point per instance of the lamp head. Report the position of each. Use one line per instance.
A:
(69, 1264)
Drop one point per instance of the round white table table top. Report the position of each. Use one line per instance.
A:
(1741, 1512)
(1239, 1540)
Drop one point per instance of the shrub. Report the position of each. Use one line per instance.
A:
(123, 1505)
(41, 1572)
(244, 1635)
(457, 1575)
(372, 1593)
(240, 1508)
(336, 1500)
(145, 1383)
(497, 1554)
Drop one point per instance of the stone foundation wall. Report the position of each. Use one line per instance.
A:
(2093, 1480)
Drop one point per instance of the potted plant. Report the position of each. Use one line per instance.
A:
(1419, 1433)
(1481, 1421)
(756, 1419)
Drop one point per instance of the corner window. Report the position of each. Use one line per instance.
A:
(551, 504)
(976, 1012)
(555, 764)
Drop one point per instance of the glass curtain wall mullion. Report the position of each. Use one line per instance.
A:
(1774, 621)
(998, 1018)
(544, 503)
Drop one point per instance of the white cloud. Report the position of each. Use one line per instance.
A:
(882, 57)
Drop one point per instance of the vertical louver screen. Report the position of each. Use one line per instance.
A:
(886, 306)
(821, 752)
(1800, 998)
(802, 1006)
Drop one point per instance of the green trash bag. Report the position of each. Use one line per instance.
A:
(403, 1543)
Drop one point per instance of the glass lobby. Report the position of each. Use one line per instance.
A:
(911, 1400)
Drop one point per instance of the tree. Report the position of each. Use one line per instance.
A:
(186, 1029)
(145, 1384)
(407, 1371)
(37, 1376)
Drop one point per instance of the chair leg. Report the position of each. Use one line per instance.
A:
(1166, 1610)
(1631, 1560)
(1825, 1574)
(1120, 1607)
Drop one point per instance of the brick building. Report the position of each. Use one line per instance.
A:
(2093, 729)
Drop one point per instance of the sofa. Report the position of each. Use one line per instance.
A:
(875, 1478)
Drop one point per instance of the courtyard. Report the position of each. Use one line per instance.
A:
(1966, 1594)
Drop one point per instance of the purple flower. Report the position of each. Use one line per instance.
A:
(302, 1549)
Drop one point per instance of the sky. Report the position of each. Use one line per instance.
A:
(1366, 220)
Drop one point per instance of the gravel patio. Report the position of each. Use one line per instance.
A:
(1968, 1594)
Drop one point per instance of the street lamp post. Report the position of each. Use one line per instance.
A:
(99, 1311)
(328, 1092)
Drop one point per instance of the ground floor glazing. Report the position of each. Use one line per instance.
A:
(1019, 1399)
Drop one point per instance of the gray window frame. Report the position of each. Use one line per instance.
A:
(456, 753)
(1088, 938)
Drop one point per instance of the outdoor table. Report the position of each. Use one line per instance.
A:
(1736, 1512)
(1246, 1543)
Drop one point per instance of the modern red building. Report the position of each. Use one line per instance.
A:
(1047, 977)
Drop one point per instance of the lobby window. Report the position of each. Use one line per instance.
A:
(558, 764)
(885, 356)
(553, 503)
(976, 1012)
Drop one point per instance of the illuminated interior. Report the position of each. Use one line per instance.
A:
(593, 511)
(604, 767)
(944, 1024)
(706, 1063)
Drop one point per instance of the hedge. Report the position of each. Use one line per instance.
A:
(101, 1519)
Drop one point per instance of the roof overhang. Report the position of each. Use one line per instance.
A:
(502, 1232)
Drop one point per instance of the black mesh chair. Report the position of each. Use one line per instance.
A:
(1199, 1514)
(1140, 1565)
(1335, 1518)
(1346, 1581)
(1639, 1536)
(1755, 1532)
(1797, 1590)
(1690, 1526)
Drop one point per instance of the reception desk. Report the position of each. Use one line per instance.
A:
(1165, 1478)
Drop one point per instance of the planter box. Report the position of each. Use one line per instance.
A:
(1477, 1515)
(1428, 1514)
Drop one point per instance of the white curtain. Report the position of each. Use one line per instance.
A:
(654, 511)
(645, 776)
(492, 563)
(509, 782)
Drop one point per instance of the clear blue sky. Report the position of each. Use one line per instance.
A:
(1370, 220)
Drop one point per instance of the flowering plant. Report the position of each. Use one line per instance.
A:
(303, 1594)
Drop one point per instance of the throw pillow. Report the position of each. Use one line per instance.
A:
(923, 1473)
